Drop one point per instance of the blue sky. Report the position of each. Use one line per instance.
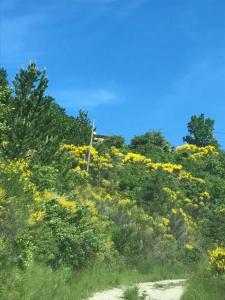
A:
(135, 65)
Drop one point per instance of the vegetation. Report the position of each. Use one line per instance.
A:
(201, 132)
(204, 287)
(140, 205)
(132, 294)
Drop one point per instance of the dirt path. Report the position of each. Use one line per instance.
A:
(159, 290)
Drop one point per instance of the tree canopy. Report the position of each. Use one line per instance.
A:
(35, 121)
(201, 132)
(152, 143)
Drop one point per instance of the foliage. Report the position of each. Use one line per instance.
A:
(204, 287)
(112, 141)
(217, 260)
(5, 95)
(41, 282)
(152, 144)
(62, 233)
(201, 132)
(132, 294)
(37, 125)
(146, 200)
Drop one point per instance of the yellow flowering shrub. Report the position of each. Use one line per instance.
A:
(136, 158)
(141, 159)
(44, 196)
(187, 176)
(2, 194)
(217, 260)
(81, 172)
(20, 169)
(198, 152)
(75, 160)
(189, 247)
(116, 152)
(35, 217)
(70, 205)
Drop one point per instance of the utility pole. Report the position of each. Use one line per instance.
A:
(90, 146)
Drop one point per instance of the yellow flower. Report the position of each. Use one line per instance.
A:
(136, 158)
(67, 204)
(36, 216)
(44, 196)
(106, 182)
(217, 260)
(204, 195)
(167, 167)
(5, 143)
(2, 194)
(165, 221)
(124, 202)
(183, 175)
(168, 236)
(81, 172)
(221, 210)
(187, 147)
(172, 195)
(198, 152)
(189, 247)
(116, 152)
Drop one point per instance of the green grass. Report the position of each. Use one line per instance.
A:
(132, 294)
(205, 288)
(42, 283)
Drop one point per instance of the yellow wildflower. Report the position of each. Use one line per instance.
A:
(67, 204)
(189, 247)
(36, 216)
(217, 260)
(124, 202)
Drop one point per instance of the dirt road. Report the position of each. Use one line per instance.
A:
(159, 290)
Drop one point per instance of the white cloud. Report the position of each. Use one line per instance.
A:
(23, 33)
(72, 98)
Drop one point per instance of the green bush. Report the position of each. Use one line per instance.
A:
(65, 237)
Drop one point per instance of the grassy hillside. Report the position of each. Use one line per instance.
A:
(141, 212)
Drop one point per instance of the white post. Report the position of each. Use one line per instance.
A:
(90, 146)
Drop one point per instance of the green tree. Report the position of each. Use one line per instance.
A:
(5, 95)
(112, 141)
(30, 119)
(79, 129)
(152, 144)
(37, 124)
(201, 132)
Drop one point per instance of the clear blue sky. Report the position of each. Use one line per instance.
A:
(135, 65)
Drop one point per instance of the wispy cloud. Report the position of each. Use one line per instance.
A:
(90, 98)
(20, 36)
(22, 30)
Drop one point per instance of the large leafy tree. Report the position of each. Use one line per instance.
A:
(79, 129)
(117, 141)
(37, 124)
(201, 132)
(152, 144)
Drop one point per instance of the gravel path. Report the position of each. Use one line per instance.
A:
(159, 290)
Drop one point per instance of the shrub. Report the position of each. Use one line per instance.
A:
(217, 261)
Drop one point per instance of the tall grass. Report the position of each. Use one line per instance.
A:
(205, 288)
(42, 283)
(132, 294)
